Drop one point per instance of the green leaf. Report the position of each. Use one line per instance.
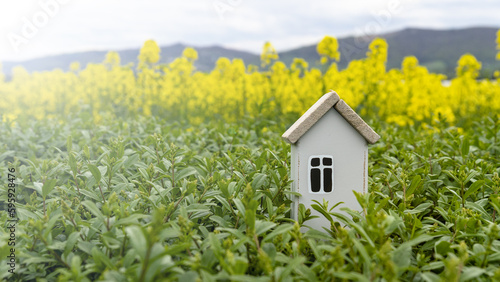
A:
(316, 234)
(280, 230)
(471, 175)
(471, 272)
(219, 220)
(292, 265)
(70, 243)
(76, 265)
(433, 265)
(402, 256)
(363, 233)
(85, 247)
(478, 249)
(414, 184)
(420, 239)
(52, 221)
(239, 205)
(478, 208)
(6, 154)
(38, 187)
(452, 175)
(224, 189)
(465, 147)
(393, 221)
(224, 202)
(270, 250)
(216, 247)
(430, 277)
(93, 209)
(263, 226)
(240, 267)
(48, 186)
(442, 248)
(131, 219)
(143, 173)
(38, 260)
(26, 214)
(259, 180)
(99, 257)
(91, 194)
(419, 209)
(473, 188)
(86, 151)
(353, 276)
(95, 172)
(197, 207)
(69, 144)
(325, 213)
(130, 161)
(306, 272)
(138, 240)
(189, 276)
(188, 171)
(361, 249)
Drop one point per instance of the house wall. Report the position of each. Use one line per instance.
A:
(331, 135)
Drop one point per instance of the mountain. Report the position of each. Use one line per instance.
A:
(438, 50)
(207, 56)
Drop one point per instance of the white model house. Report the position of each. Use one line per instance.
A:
(329, 156)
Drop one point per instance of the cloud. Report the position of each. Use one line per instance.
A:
(242, 24)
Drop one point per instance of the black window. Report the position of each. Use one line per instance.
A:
(315, 180)
(321, 174)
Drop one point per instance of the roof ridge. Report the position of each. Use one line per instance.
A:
(356, 121)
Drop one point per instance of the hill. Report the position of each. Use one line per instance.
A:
(439, 50)
(207, 58)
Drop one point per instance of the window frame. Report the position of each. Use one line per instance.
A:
(322, 168)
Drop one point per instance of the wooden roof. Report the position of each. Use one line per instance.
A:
(325, 103)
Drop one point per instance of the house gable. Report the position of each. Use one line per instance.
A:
(316, 112)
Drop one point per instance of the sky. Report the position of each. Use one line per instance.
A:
(37, 28)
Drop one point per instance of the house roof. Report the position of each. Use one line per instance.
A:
(325, 103)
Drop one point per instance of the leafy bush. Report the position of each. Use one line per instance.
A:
(142, 199)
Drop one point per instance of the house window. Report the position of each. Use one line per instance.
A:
(320, 174)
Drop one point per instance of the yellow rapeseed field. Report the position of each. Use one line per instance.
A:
(233, 90)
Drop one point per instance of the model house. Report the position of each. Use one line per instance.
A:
(329, 156)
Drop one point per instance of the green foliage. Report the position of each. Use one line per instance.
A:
(142, 199)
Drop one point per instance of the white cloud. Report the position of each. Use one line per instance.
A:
(243, 24)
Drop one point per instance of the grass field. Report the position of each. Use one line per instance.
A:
(144, 200)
